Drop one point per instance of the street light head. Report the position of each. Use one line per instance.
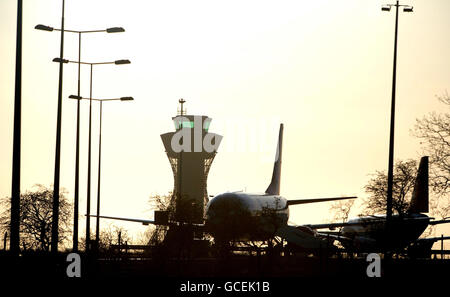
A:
(75, 97)
(121, 62)
(59, 60)
(43, 27)
(115, 30)
(126, 98)
(408, 9)
(386, 8)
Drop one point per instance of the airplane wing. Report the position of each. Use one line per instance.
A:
(148, 222)
(439, 222)
(433, 239)
(335, 235)
(332, 226)
(314, 200)
(143, 221)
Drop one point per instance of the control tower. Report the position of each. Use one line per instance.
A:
(191, 150)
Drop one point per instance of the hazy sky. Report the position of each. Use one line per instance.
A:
(323, 68)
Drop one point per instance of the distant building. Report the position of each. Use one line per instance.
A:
(191, 150)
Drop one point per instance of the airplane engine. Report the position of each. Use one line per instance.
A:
(307, 230)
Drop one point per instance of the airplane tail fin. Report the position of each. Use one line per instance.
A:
(419, 199)
(274, 187)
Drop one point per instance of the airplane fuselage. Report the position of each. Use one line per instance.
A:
(370, 233)
(245, 216)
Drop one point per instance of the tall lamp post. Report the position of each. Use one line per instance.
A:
(77, 154)
(55, 211)
(88, 199)
(97, 227)
(15, 187)
(406, 8)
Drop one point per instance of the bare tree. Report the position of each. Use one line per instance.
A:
(272, 219)
(404, 179)
(403, 184)
(36, 209)
(434, 131)
(109, 236)
(144, 237)
(113, 235)
(165, 203)
(440, 208)
(341, 210)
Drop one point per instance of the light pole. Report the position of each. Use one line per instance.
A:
(77, 154)
(88, 199)
(55, 211)
(97, 227)
(406, 8)
(15, 187)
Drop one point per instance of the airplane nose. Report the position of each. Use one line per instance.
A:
(228, 216)
(227, 209)
(223, 207)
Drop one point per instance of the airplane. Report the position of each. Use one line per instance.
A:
(241, 216)
(369, 233)
(421, 248)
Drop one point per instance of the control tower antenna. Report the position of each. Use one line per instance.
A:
(181, 111)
